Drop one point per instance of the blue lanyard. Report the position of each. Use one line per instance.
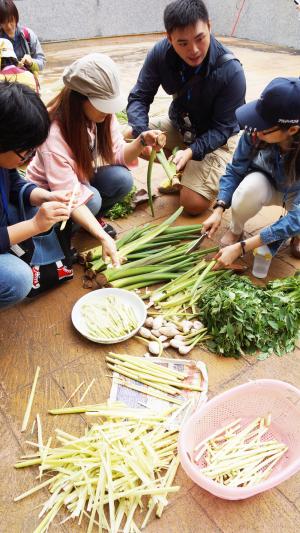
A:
(3, 192)
(183, 78)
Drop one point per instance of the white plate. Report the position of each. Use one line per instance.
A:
(127, 297)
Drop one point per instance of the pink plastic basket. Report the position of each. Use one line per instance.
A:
(256, 398)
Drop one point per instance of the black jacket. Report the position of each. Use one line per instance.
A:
(11, 183)
(211, 104)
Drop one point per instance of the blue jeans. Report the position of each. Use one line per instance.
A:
(15, 275)
(109, 184)
(15, 280)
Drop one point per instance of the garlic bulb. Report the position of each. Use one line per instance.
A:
(144, 332)
(154, 347)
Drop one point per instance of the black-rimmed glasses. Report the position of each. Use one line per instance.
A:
(268, 132)
(27, 156)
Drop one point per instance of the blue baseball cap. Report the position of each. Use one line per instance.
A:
(278, 104)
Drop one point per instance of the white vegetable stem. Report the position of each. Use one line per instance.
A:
(64, 222)
(108, 318)
(165, 379)
(239, 457)
(30, 401)
(104, 473)
(87, 390)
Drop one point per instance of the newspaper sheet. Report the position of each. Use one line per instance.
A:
(187, 400)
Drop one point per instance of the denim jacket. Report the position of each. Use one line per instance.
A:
(10, 186)
(211, 103)
(271, 164)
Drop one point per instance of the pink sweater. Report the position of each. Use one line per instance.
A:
(53, 167)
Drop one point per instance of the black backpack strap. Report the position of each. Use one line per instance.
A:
(221, 60)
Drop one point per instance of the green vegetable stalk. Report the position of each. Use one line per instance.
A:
(168, 166)
(149, 177)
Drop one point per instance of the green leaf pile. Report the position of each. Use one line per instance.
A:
(124, 208)
(244, 319)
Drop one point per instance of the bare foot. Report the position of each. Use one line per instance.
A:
(230, 238)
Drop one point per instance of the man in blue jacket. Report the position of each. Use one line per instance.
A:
(207, 84)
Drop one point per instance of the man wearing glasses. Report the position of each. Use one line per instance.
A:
(24, 125)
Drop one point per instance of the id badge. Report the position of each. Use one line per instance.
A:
(16, 248)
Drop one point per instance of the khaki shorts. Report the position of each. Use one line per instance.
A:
(199, 176)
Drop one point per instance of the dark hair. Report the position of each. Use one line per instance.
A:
(67, 109)
(24, 120)
(7, 62)
(182, 13)
(291, 159)
(8, 11)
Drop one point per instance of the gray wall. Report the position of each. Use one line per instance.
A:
(268, 21)
(56, 20)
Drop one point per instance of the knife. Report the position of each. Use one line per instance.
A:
(196, 243)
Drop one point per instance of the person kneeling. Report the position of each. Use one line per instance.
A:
(85, 148)
(24, 125)
(265, 171)
(207, 84)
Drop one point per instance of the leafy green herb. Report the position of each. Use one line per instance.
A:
(122, 117)
(243, 318)
(124, 208)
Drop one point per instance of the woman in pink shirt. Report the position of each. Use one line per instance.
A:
(85, 147)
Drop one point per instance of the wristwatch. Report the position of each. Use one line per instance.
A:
(220, 203)
(243, 247)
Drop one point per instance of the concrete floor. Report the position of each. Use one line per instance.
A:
(261, 62)
(40, 333)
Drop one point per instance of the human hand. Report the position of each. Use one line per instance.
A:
(109, 251)
(26, 61)
(127, 132)
(211, 224)
(227, 255)
(181, 158)
(64, 197)
(49, 214)
(154, 138)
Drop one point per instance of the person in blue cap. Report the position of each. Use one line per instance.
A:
(265, 171)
